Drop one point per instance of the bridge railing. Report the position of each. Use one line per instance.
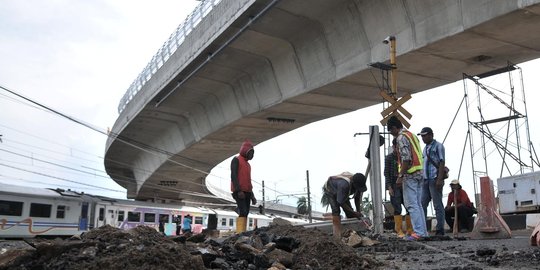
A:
(168, 49)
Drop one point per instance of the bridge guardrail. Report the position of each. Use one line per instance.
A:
(168, 49)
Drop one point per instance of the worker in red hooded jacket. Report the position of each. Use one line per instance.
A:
(241, 187)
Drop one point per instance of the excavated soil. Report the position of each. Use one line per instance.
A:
(110, 248)
(275, 247)
(318, 250)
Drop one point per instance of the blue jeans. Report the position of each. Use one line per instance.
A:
(430, 192)
(412, 195)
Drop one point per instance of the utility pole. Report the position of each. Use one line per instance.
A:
(392, 41)
(375, 179)
(308, 197)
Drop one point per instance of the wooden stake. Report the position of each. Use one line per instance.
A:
(456, 227)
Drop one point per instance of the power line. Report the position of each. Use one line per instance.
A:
(59, 178)
(131, 142)
(45, 184)
(52, 163)
(119, 180)
(49, 141)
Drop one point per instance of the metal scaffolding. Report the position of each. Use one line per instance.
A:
(498, 128)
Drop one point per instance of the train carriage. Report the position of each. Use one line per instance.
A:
(27, 212)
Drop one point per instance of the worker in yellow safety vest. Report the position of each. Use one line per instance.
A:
(410, 176)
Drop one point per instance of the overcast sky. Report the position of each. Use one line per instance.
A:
(79, 57)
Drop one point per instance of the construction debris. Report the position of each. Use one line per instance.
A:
(277, 247)
(274, 247)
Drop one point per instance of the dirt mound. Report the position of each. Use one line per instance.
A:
(111, 248)
(275, 247)
(318, 250)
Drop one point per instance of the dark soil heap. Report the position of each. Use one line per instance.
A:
(275, 247)
(318, 250)
(111, 248)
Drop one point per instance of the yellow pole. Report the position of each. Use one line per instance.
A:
(393, 72)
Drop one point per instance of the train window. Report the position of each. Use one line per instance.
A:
(150, 217)
(198, 220)
(40, 210)
(134, 216)
(101, 214)
(250, 222)
(164, 217)
(121, 215)
(9, 208)
(231, 222)
(223, 222)
(60, 211)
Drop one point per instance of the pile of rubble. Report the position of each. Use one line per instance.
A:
(274, 247)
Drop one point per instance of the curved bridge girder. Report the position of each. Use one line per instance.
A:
(304, 61)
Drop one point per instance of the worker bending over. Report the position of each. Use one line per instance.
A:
(337, 189)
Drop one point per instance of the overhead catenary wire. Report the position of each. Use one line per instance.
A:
(155, 186)
(133, 143)
(51, 163)
(103, 176)
(9, 177)
(48, 141)
(59, 178)
(74, 169)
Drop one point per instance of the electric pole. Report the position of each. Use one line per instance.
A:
(308, 197)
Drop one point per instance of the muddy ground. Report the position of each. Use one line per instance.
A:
(275, 247)
(457, 253)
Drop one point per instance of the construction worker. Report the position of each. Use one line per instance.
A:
(433, 171)
(410, 175)
(396, 193)
(337, 189)
(465, 208)
(241, 187)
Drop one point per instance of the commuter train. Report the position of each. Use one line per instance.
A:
(27, 212)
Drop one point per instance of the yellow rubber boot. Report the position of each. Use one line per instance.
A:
(336, 227)
(409, 224)
(244, 224)
(240, 224)
(398, 225)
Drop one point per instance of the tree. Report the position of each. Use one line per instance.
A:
(302, 206)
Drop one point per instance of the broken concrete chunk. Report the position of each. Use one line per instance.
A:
(281, 256)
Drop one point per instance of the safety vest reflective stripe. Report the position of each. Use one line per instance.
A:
(416, 152)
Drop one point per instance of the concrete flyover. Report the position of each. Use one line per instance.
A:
(259, 68)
